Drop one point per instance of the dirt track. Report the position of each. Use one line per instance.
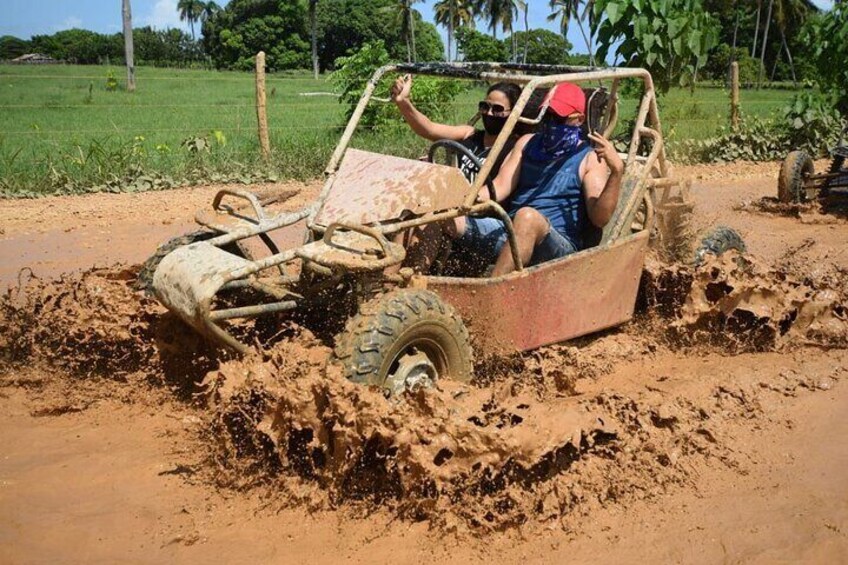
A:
(112, 469)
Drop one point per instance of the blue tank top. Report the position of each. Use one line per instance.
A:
(554, 188)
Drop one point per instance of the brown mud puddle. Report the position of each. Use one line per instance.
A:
(709, 428)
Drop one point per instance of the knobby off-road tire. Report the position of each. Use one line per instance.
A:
(145, 275)
(790, 183)
(404, 339)
(717, 241)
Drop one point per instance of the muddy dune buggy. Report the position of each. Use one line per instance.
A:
(798, 182)
(409, 329)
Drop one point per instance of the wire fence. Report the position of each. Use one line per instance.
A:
(53, 121)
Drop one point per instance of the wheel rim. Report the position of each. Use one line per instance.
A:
(417, 365)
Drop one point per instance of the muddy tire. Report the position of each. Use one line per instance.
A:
(403, 340)
(718, 241)
(790, 183)
(145, 275)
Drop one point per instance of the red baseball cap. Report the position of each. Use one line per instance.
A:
(566, 99)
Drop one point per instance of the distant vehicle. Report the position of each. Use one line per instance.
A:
(798, 182)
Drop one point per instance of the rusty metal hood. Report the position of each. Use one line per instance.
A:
(370, 188)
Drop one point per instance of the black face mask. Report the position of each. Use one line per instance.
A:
(493, 124)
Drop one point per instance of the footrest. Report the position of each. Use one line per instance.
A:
(354, 251)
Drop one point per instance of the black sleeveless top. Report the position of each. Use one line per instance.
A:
(475, 144)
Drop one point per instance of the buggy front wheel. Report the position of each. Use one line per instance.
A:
(405, 339)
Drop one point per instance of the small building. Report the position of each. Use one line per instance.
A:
(35, 59)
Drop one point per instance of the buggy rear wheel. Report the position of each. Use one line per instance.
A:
(797, 166)
(405, 339)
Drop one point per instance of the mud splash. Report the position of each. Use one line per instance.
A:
(465, 459)
(737, 303)
(526, 443)
(86, 323)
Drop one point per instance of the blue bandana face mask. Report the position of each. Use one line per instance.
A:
(559, 140)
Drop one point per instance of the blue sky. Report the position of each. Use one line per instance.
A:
(24, 18)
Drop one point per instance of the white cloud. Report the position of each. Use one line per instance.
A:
(70, 23)
(164, 15)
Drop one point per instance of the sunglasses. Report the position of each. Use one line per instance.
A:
(554, 118)
(496, 109)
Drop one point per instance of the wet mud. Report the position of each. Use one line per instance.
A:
(529, 441)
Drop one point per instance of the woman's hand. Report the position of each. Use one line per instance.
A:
(401, 88)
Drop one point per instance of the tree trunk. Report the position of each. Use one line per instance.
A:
(774, 67)
(451, 17)
(526, 31)
(757, 29)
(765, 43)
(735, 32)
(126, 12)
(586, 41)
(789, 57)
(412, 33)
(313, 24)
(450, 40)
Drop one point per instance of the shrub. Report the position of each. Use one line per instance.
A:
(433, 96)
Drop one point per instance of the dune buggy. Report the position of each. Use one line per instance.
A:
(410, 328)
(798, 182)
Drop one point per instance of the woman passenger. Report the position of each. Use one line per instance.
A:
(494, 110)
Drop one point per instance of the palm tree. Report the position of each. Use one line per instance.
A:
(526, 31)
(564, 10)
(190, 11)
(453, 14)
(790, 11)
(515, 7)
(313, 28)
(209, 10)
(765, 42)
(495, 12)
(405, 15)
(757, 29)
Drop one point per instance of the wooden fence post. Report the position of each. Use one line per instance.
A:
(734, 95)
(261, 114)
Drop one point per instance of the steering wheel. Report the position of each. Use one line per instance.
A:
(456, 147)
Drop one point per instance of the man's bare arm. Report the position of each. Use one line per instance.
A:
(602, 181)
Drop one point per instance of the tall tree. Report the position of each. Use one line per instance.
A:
(515, 11)
(495, 12)
(757, 29)
(209, 10)
(406, 14)
(126, 13)
(564, 10)
(313, 31)
(765, 42)
(191, 11)
(526, 31)
(452, 14)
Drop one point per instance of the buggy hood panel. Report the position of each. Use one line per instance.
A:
(370, 188)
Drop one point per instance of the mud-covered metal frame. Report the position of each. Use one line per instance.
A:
(352, 236)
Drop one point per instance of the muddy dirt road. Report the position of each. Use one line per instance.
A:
(706, 455)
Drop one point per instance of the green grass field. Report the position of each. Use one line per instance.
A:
(62, 131)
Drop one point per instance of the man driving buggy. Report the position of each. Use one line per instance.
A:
(554, 184)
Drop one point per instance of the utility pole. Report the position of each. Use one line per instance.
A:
(128, 45)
